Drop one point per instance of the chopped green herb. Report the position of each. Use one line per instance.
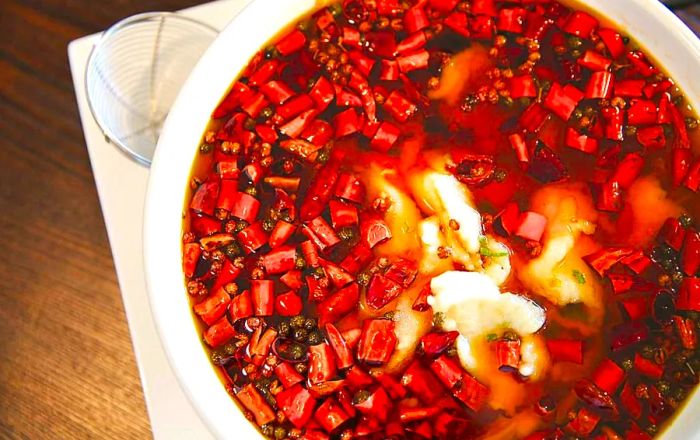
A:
(438, 319)
(491, 337)
(486, 252)
(580, 277)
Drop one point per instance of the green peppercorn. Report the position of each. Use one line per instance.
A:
(510, 336)
(318, 273)
(323, 155)
(625, 39)
(283, 329)
(691, 123)
(271, 52)
(299, 263)
(507, 101)
(685, 220)
(576, 53)
(677, 277)
(452, 351)
(438, 319)
(267, 430)
(575, 42)
(336, 9)
(280, 433)
(663, 387)
(630, 130)
(251, 190)
(363, 278)
(284, 215)
(390, 315)
(679, 394)
(500, 175)
(647, 352)
(315, 337)
(241, 225)
(301, 367)
(205, 148)
(360, 396)
(296, 351)
(266, 113)
(297, 322)
(300, 335)
(578, 114)
(268, 225)
(310, 323)
(652, 429)
(628, 364)
(232, 250)
(346, 233)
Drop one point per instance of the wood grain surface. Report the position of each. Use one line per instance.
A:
(67, 369)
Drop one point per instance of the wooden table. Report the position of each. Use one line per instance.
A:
(66, 365)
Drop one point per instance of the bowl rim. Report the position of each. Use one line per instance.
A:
(177, 147)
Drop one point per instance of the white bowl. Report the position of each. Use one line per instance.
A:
(670, 42)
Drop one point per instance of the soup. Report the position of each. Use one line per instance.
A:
(449, 219)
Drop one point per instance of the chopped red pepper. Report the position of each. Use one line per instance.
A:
(338, 276)
(565, 350)
(581, 142)
(608, 376)
(443, 5)
(297, 404)
(594, 61)
(205, 198)
(614, 118)
(251, 400)
(349, 187)
(296, 126)
(219, 333)
(600, 86)
(648, 367)
(319, 191)
(241, 306)
(213, 307)
(357, 378)
(584, 423)
(292, 279)
(690, 256)
(447, 370)
(377, 341)
(580, 24)
(511, 20)
(280, 260)
(531, 226)
(399, 106)
(630, 402)
(288, 375)
(291, 42)
(689, 294)
(281, 233)
(322, 93)
(680, 164)
(277, 92)
(522, 86)
(411, 414)
(613, 41)
(458, 22)
(202, 225)
(507, 354)
(472, 392)
(692, 179)
(411, 43)
(253, 237)
(533, 117)
(420, 304)
(686, 332)
(374, 231)
(263, 297)
(389, 70)
(330, 415)
(652, 137)
(641, 112)
(422, 383)
(339, 304)
(485, 7)
(415, 19)
(321, 363)
(346, 123)
(343, 353)
(640, 63)
(381, 291)
(190, 258)
(358, 257)
(386, 136)
(376, 405)
(342, 214)
(321, 233)
(288, 304)
(602, 260)
(563, 100)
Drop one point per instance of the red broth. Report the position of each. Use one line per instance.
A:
(349, 171)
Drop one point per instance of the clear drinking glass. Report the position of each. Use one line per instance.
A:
(134, 73)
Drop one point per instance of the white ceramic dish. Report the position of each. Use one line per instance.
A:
(656, 28)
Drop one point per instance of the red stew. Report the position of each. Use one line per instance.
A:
(314, 240)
